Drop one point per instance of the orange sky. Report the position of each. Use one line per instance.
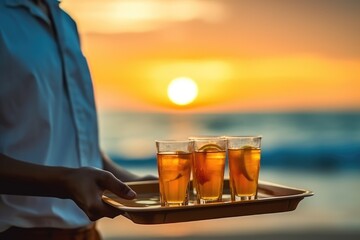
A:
(244, 55)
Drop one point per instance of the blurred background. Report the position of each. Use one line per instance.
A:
(288, 70)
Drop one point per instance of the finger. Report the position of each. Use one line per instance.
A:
(119, 188)
(97, 209)
(104, 210)
(110, 211)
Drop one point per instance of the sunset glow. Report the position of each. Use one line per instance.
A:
(244, 55)
(141, 15)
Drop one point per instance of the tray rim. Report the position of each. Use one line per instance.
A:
(302, 194)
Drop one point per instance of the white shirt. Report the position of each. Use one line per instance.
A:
(47, 110)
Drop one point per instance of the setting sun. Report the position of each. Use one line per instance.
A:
(182, 90)
(239, 64)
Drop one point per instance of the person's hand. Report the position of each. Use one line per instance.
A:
(86, 186)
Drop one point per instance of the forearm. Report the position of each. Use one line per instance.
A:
(121, 173)
(85, 185)
(22, 178)
(118, 172)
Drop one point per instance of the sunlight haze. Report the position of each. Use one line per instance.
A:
(309, 59)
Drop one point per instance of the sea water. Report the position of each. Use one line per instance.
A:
(325, 141)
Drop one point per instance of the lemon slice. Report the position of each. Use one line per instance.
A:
(248, 162)
(211, 147)
(176, 178)
(247, 147)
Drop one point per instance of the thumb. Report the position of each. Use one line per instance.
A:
(119, 188)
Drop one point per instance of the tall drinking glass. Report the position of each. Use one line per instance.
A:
(244, 154)
(209, 165)
(194, 183)
(174, 159)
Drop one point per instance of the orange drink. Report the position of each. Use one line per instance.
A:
(209, 165)
(174, 168)
(244, 164)
(194, 183)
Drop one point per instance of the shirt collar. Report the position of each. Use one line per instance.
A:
(32, 7)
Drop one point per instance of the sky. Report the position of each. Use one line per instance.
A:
(244, 56)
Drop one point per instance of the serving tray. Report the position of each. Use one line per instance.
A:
(146, 208)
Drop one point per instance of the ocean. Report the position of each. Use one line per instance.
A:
(315, 141)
